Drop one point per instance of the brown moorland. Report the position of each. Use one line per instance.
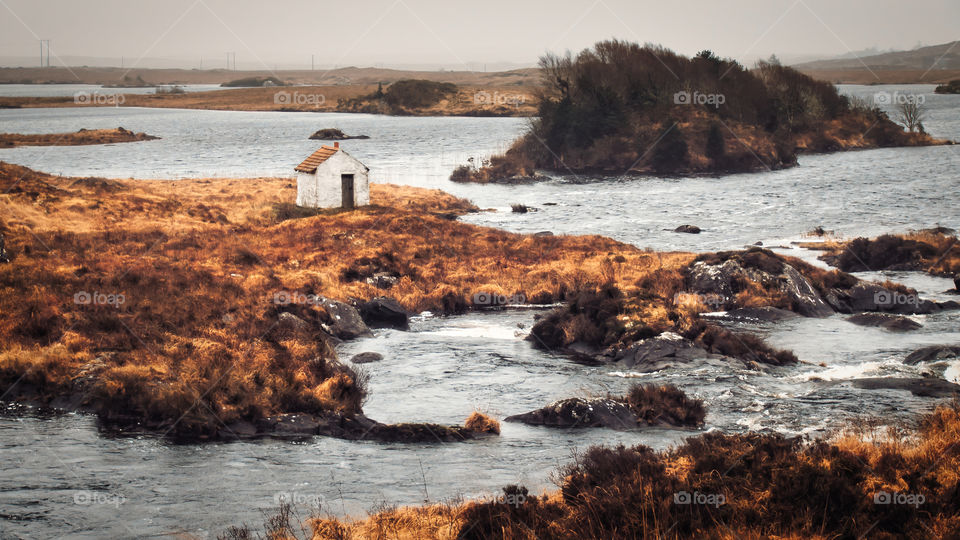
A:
(81, 137)
(153, 301)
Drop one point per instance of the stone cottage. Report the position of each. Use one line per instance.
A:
(332, 178)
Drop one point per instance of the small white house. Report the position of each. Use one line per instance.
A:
(332, 178)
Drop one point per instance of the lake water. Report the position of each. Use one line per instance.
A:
(63, 477)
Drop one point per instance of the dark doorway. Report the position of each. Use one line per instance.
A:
(346, 190)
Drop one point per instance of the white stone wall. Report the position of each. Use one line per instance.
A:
(322, 190)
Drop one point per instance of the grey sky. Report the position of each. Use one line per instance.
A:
(454, 32)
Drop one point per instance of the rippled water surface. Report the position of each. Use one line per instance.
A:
(445, 368)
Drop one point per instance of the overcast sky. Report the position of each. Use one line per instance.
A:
(456, 32)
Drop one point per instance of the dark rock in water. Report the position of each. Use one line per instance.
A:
(366, 358)
(333, 134)
(345, 320)
(4, 256)
(577, 412)
(956, 282)
(521, 208)
(542, 234)
(660, 352)
(384, 312)
(932, 354)
(419, 433)
(689, 229)
(883, 320)
(239, 430)
(922, 387)
(868, 296)
(768, 314)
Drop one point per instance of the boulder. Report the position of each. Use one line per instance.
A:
(894, 323)
(689, 229)
(384, 312)
(382, 280)
(869, 296)
(578, 412)
(932, 353)
(289, 320)
(366, 358)
(345, 320)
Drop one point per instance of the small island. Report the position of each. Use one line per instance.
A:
(81, 137)
(334, 134)
(622, 108)
(952, 87)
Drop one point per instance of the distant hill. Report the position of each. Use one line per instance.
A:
(933, 64)
(340, 76)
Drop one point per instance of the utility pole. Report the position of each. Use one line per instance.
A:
(44, 43)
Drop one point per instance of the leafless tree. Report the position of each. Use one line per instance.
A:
(910, 114)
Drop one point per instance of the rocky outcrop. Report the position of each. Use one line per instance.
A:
(657, 353)
(384, 312)
(883, 320)
(579, 412)
(723, 280)
(4, 256)
(932, 353)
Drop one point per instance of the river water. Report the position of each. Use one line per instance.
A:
(61, 476)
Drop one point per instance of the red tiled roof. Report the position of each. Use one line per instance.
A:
(310, 164)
